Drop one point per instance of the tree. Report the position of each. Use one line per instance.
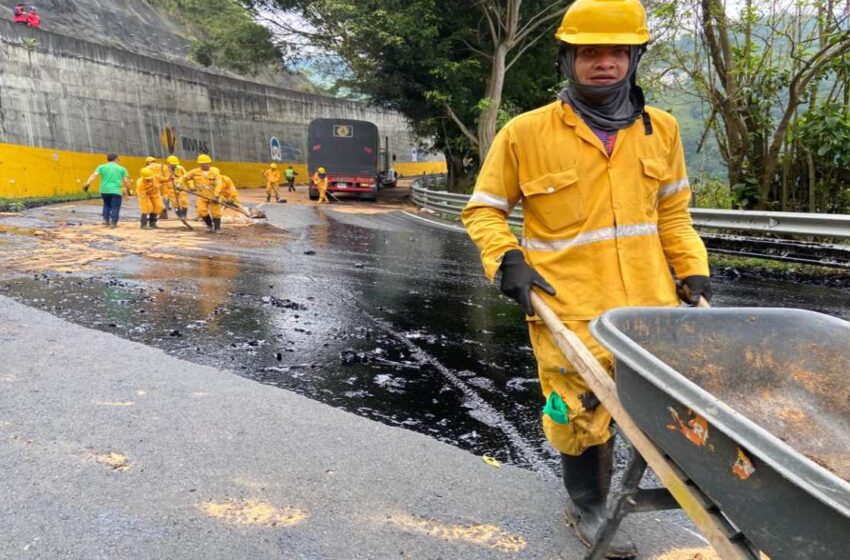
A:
(426, 59)
(512, 27)
(758, 71)
(465, 54)
(228, 36)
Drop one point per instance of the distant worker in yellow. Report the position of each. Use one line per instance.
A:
(150, 199)
(320, 179)
(155, 166)
(207, 185)
(272, 177)
(179, 201)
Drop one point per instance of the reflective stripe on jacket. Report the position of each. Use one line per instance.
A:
(604, 231)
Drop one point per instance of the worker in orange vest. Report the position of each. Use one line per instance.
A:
(20, 14)
(32, 18)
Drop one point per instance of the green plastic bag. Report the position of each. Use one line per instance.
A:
(556, 409)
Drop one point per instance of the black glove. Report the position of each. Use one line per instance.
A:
(694, 287)
(518, 278)
(86, 187)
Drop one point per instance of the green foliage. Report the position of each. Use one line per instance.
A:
(424, 57)
(21, 204)
(712, 192)
(228, 36)
(825, 132)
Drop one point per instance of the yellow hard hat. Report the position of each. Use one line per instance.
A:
(150, 159)
(604, 22)
(172, 160)
(146, 172)
(320, 170)
(273, 166)
(204, 158)
(215, 170)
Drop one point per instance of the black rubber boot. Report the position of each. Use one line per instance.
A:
(152, 221)
(144, 221)
(217, 225)
(268, 198)
(587, 478)
(209, 222)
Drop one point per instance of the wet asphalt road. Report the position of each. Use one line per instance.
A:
(383, 315)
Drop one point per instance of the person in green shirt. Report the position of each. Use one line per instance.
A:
(290, 174)
(114, 181)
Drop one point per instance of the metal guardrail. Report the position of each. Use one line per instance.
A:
(835, 226)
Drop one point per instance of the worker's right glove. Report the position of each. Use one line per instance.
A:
(215, 200)
(86, 187)
(518, 278)
(694, 287)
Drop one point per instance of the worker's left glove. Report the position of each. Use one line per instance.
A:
(215, 199)
(518, 278)
(694, 287)
(86, 187)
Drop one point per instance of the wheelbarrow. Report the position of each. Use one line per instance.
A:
(744, 415)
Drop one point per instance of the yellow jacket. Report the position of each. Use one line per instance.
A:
(165, 178)
(272, 175)
(206, 182)
(604, 231)
(228, 189)
(147, 187)
(321, 184)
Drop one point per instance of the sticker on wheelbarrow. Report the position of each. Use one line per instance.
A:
(743, 467)
(695, 429)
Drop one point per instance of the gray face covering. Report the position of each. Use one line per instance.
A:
(610, 108)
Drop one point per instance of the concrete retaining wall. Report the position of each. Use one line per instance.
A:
(71, 96)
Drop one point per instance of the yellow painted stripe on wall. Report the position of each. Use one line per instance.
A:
(40, 172)
(411, 168)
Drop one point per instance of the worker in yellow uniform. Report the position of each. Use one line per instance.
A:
(229, 193)
(171, 172)
(320, 179)
(158, 168)
(150, 199)
(204, 182)
(272, 177)
(604, 192)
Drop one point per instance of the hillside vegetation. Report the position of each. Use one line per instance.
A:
(224, 35)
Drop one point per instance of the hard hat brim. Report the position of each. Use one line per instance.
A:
(641, 38)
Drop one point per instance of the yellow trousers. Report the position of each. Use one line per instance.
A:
(150, 202)
(207, 208)
(323, 195)
(169, 194)
(587, 422)
(271, 189)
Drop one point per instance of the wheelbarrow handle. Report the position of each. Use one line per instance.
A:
(600, 382)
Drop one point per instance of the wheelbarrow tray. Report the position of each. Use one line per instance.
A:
(753, 405)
